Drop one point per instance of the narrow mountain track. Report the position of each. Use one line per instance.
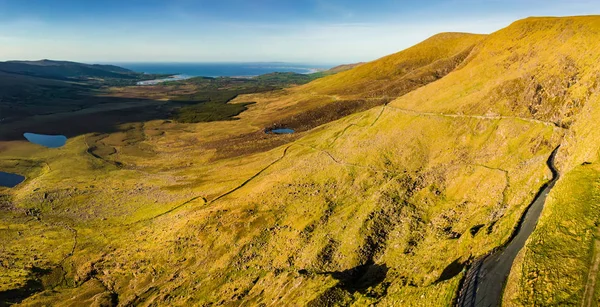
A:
(93, 155)
(285, 152)
(359, 126)
(333, 158)
(485, 280)
(207, 202)
(170, 210)
(483, 117)
(454, 115)
(71, 253)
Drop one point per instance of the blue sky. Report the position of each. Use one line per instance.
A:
(309, 31)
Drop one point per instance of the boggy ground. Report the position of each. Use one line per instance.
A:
(382, 206)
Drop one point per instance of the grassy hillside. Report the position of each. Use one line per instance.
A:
(368, 85)
(403, 171)
(560, 264)
(399, 73)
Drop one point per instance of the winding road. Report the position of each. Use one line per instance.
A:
(484, 282)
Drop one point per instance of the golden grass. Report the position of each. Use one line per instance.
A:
(396, 188)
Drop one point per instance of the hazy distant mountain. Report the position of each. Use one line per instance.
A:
(344, 67)
(65, 70)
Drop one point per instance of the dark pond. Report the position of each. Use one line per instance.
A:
(51, 141)
(281, 131)
(10, 180)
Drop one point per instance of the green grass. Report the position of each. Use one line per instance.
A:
(397, 187)
(553, 269)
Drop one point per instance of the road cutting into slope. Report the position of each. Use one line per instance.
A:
(485, 280)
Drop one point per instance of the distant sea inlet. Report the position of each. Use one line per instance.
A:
(223, 69)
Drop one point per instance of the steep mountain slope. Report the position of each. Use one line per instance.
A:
(537, 68)
(367, 85)
(545, 69)
(560, 264)
(399, 73)
(384, 206)
(302, 109)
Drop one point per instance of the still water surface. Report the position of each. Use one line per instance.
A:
(50, 141)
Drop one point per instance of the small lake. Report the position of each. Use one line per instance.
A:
(281, 131)
(50, 141)
(169, 79)
(10, 180)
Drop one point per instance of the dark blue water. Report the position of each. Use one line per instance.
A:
(222, 69)
(10, 180)
(51, 141)
(282, 131)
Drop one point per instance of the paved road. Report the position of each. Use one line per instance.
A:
(485, 280)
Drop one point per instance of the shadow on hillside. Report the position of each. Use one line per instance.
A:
(105, 117)
(451, 271)
(360, 278)
(33, 285)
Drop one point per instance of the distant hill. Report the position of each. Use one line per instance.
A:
(343, 67)
(291, 78)
(16, 90)
(65, 70)
(287, 78)
(41, 87)
(46, 86)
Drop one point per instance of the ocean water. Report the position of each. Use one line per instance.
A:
(222, 69)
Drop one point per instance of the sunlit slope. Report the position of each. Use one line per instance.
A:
(560, 264)
(388, 195)
(545, 69)
(542, 68)
(397, 74)
(384, 206)
(363, 87)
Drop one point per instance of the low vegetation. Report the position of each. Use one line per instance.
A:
(210, 112)
(560, 264)
(401, 173)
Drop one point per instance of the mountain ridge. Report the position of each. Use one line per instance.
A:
(413, 166)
